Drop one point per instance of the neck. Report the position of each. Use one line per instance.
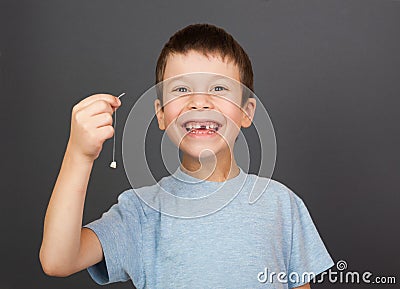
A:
(215, 168)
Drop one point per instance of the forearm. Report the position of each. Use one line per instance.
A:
(63, 220)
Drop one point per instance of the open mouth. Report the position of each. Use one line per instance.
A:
(202, 127)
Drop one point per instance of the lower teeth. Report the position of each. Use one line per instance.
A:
(202, 132)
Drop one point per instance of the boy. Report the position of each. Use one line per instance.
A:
(238, 246)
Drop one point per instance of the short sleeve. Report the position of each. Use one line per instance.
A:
(120, 235)
(308, 255)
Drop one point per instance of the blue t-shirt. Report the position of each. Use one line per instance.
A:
(242, 245)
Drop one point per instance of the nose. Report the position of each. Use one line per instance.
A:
(200, 101)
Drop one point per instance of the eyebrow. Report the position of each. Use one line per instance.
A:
(190, 75)
(189, 79)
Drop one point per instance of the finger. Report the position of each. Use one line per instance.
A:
(105, 132)
(114, 101)
(98, 107)
(102, 119)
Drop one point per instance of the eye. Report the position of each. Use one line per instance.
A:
(219, 88)
(181, 89)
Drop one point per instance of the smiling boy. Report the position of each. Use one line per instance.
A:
(188, 62)
(234, 247)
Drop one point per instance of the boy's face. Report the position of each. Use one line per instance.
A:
(201, 117)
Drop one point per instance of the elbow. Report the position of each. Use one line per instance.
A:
(53, 271)
(53, 266)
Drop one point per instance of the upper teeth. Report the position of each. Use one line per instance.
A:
(206, 125)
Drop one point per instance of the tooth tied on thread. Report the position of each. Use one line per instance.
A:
(113, 164)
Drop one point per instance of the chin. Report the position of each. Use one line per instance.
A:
(202, 151)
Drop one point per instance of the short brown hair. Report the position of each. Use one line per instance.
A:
(207, 39)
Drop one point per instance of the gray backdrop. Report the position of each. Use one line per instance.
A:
(327, 71)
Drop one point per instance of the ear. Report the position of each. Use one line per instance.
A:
(248, 112)
(159, 113)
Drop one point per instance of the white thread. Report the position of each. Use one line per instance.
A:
(113, 164)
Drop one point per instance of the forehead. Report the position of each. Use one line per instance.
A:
(193, 61)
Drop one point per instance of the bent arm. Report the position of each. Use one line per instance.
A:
(66, 246)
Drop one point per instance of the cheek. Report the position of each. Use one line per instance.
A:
(170, 114)
(233, 113)
(173, 109)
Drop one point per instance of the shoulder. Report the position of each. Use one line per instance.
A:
(135, 194)
(267, 189)
(141, 199)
